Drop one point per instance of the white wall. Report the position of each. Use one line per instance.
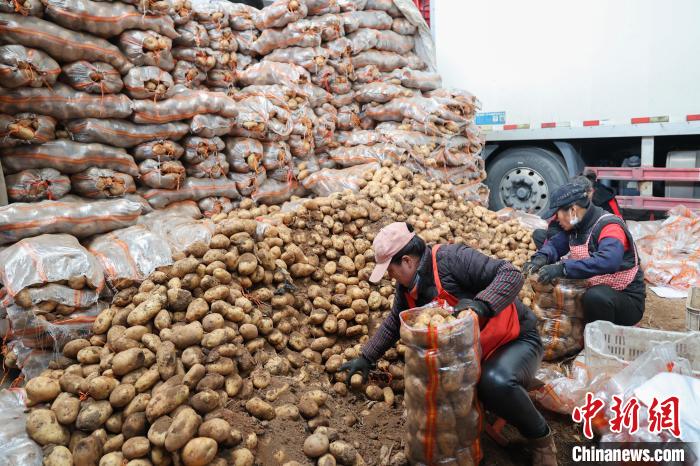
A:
(564, 60)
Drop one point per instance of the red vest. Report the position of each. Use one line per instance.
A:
(496, 332)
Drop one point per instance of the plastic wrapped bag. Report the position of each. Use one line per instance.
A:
(370, 19)
(192, 34)
(161, 150)
(322, 7)
(194, 189)
(81, 219)
(47, 259)
(280, 13)
(58, 294)
(62, 44)
(248, 183)
(166, 174)
(273, 192)
(68, 157)
(188, 74)
(367, 74)
(179, 225)
(384, 61)
(425, 111)
(362, 39)
(359, 137)
(243, 154)
(36, 185)
(390, 41)
(198, 149)
(559, 313)
(309, 58)
(210, 126)
(64, 103)
(26, 128)
(403, 26)
(184, 104)
(105, 19)
(300, 33)
(330, 25)
(148, 82)
(202, 57)
(223, 40)
(383, 5)
(358, 155)
(155, 7)
(121, 133)
(130, 254)
(380, 92)
(147, 48)
(443, 360)
(270, 72)
(245, 40)
(221, 79)
(17, 447)
(259, 118)
(24, 67)
(95, 78)
(329, 180)
(25, 8)
(241, 16)
(102, 183)
(214, 166)
(211, 206)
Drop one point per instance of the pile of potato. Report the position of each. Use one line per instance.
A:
(560, 320)
(240, 325)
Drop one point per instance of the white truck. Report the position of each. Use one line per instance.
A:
(611, 84)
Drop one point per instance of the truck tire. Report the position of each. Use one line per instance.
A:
(523, 178)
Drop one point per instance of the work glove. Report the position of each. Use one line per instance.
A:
(550, 272)
(535, 264)
(480, 308)
(361, 365)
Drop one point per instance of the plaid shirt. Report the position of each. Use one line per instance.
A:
(464, 273)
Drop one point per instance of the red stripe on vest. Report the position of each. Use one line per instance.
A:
(615, 207)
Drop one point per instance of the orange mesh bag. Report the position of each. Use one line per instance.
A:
(167, 174)
(26, 128)
(64, 103)
(105, 19)
(36, 185)
(102, 183)
(443, 366)
(95, 78)
(149, 82)
(122, 133)
(62, 44)
(68, 157)
(24, 67)
(559, 313)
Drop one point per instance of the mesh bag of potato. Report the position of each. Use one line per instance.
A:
(442, 369)
(559, 314)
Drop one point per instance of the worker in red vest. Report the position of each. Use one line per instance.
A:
(599, 195)
(467, 279)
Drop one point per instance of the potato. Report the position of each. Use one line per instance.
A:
(145, 311)
(159, 430)
(58, 456)
(44, 428)
(88, 451)
(260, 409)
(71, 349)
(316, 445)
(134, 425)
(205, 401)
(93, 415)
(242, 457)
(115, 458)
(165, 401)
(136, 447)
(374, 393)
(188, 335)
(114, 444)
(182, 429)
(326, 460)
(199, 451)
(248, 331)
(122, 395)
(166, 360)
(127, 361)
(344, 452)
(217, 429)
(101, 387)
(41, 389)
(66, 407)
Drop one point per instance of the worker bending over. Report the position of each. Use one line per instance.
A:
(597, 246)
(467, 279)
(599, 194)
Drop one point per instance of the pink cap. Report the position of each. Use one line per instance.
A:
(390, 240)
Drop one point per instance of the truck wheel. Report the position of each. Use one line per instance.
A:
(523, 178)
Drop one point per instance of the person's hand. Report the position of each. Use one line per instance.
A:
(361, 365)
(550, 272)
(536, 263)
(480, 308)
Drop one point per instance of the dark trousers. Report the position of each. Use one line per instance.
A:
(504, 377)
(601, 302)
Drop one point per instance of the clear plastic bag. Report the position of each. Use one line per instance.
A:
(193, 189)
(24, 67)
(214, 166)
(421, 80)
(122, 133)
(359, 137)
(243, 154)
(280, 13)
(130, 253)
(300, 33)
(192, 34)
(147, 48)
(559, 313)
(248, 183)
(330, 25)
(370, 19)
(184, 104)
(165, 174)
(329, 180)
(245, 41)
(203, 58)
(102, 183)
(180, 226)
(17, 447)
(105, 19)
(322, 7)
(240, 15)
(95, 78)
(187, 74)
(211, 206)
(47, 259)
(26, 128)
(403, 26)
(259, 118)
(161, 150)
(25, 8)
(199, 149)
(64, 103)
(68, 157)
(273, 192)
(390, 41)
(276, 155)
(309, 58)
(62, 44)
(443, 365)
(380, 92)
(81, 219)
(210, 126)
(358, 155)
(59, 294)
(36, 185)
(148, 82)
(270, 72)
(384, 61)
(383, 5)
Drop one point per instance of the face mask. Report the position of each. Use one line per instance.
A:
(573, 219)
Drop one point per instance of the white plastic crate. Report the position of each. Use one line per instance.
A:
(610, 347)
(692, 310)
